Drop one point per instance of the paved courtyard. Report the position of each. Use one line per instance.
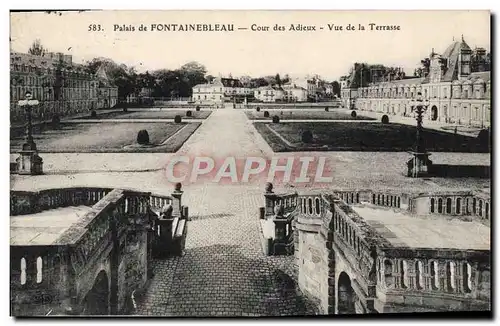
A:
(223, 271)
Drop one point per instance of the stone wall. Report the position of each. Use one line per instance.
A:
(313, 267)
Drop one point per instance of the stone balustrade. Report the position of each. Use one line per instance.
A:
(43, 277)
(29, 202)
(459, 203)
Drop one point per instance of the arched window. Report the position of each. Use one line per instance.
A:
(310, 203)
(487, 210)
(440, 205)
(383, 199)
(23, 271)
(467, 209)
(448, 205)
(317, 206)
(450, 276)
(39, 271)
(404, 274)
(373, 199)
(474, 206)
(467, 277)
(418, 275)
(399, 202)
(458, 207)
(480, 207)
(433, 201)
(434, 275)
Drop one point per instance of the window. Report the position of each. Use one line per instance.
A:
(434, 275)
(404, 274)
(23, 271)
(418, 275)
(486, 210)
(440, 205)
(480, 207)
(448, 205)
(467, 277)
(450, 276)
(459, 206)
(39, 271)
(317, 206)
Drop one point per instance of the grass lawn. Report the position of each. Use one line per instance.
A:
(298, 114)
(106, 137)
(150, 114)
(359, 136)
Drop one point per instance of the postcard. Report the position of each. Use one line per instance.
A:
(250, 163)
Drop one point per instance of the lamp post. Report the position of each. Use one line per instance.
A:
(28, 161)
(419, 165)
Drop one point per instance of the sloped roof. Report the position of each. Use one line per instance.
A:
(451, 54)
(231, 82)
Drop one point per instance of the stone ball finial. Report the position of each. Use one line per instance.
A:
(269, 187)
(178, 186)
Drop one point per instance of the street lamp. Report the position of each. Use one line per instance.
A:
(28, 161)
(419, 165)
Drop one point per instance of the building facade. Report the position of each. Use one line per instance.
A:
(62, 87)
(234, 91)
(294, 93)
(269, 94)
(453, 91)
(209, 93)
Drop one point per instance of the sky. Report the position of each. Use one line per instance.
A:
(329, 54)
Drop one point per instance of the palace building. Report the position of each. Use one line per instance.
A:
(456, 87)
(62, 87)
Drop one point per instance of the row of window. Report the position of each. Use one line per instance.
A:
(386, 200)
(473, 204)
(29, 80)
(39, 270)
(467, 92)
(401, 272)
(40, 70)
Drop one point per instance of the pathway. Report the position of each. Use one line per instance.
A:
(223, 271)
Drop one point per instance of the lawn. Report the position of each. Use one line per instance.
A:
(298, 114)
(361, 136)
(104, 137)
(150, 114)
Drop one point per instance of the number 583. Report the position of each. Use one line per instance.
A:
(94, 28)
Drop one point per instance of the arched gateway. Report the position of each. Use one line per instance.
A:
(346, 295)
(97, 300)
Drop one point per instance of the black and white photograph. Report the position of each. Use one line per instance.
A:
(250, 163)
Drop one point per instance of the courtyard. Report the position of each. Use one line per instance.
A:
(362, 136)
(223, 271)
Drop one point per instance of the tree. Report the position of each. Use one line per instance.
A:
(278, 80)
(336, 88)
(37, 48)
(209, 78)
(425, 67)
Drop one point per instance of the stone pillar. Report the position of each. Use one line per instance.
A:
(177, 205)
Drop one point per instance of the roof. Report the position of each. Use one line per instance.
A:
(435, 231)
(45, 227)
(214, 83)
(231, 82)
